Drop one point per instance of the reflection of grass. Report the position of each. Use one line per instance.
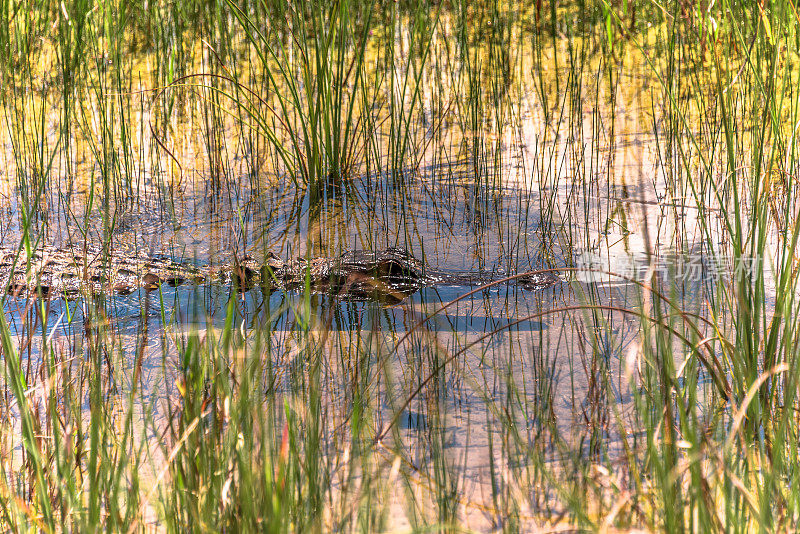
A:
(681, 401)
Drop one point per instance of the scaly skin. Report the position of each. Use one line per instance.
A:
(391, 273)
(63, 272)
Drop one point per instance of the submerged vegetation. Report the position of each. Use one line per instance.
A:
(645, 150)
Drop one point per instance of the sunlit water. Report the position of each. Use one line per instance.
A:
(505, 354)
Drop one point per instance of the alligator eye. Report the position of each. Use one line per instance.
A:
(124, 288)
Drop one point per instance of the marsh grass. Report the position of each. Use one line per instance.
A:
(298, 413)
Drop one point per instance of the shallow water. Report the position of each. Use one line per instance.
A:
(493, 383)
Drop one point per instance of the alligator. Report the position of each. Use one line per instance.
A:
(358, 275)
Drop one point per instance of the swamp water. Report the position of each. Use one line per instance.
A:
(470, 146)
